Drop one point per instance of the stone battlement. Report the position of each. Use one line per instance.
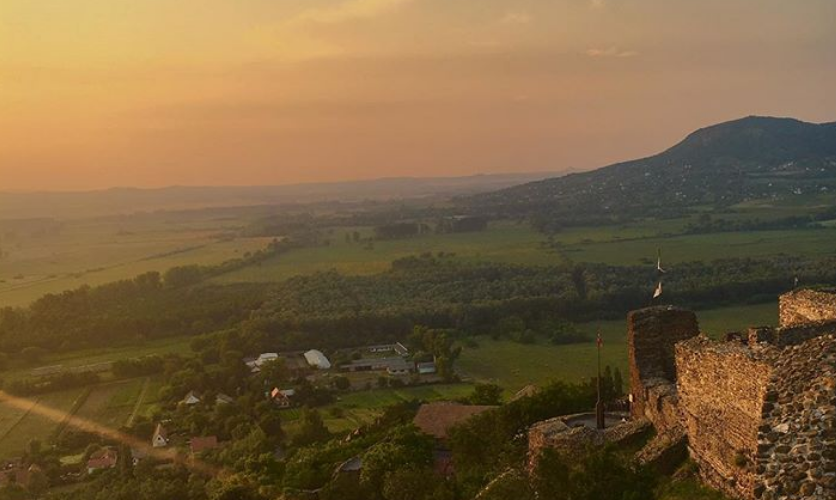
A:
(758, 411)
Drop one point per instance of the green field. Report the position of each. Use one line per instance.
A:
(501, 242)
(113, 403)
(93, 356)
(508, 242)
(706, 247)
(513, 365)
(19, 427)
(359, 408)
(40, 257)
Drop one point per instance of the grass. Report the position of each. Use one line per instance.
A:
(42, 257)
(92, 356)
(501, 242)
(688, 489)
(112, 404)
(359, 408)
(706, 247)
(513, 365)
(33, 425)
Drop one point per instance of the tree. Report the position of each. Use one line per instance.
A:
(486, 394)
(312, 430)
(405, 447)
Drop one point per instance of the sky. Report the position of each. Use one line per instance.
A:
(149, 93)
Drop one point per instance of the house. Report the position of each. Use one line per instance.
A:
(105, 458)
(200, 444)
(282, 397)
(160, 437)
(223, 399)
(426, 368)
(138, 455)
(265, 357)
(190, 399)
(436, 419)
(317, 360)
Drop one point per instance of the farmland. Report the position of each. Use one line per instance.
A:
(19, 426)
(41, 257)
(358, 408)
(513, 365)
(109, 404)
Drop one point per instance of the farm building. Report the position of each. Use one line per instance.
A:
(317, 360)
(265, 357)
(426, 368)
(397, 348)
(105, 458)
(160, 437)
(394, 366)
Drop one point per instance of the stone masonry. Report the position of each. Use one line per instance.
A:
(758, 411)
(804, 307)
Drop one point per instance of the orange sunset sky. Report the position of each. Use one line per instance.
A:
(100, 93)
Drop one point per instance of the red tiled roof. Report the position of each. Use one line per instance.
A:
(103, 459)
(436, 419)
(199, 444)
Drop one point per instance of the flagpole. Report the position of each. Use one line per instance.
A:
(599, 406)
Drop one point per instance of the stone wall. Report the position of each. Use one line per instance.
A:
(797, 438)
(651, 335)
(803, 307)
(573, 442)
(721, 389)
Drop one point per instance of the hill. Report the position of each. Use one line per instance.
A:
(746, 159)
(121, 201)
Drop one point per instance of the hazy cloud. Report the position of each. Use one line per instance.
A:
(516, 18)
(347, 11)
(611, 52)
(598, 4)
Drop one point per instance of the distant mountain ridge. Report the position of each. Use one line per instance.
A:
(122, 201)
(749, 158)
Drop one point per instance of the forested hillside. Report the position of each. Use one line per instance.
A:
(751, 158)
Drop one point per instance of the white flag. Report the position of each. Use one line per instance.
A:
(658, 291)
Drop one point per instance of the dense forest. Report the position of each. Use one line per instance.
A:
(333, 310)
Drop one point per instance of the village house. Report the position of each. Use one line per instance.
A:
(19, 474)
(160, 437)
(105, 458)
(190, 399)
(223, 399)
(436, 420)
(282, 397)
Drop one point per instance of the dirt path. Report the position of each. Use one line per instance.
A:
(145, 385)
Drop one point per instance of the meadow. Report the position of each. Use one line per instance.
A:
(98, 355)
(358, 408)
(18, 427)
(41, 257)
(513, 365)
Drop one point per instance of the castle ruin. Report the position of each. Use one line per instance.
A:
(758, 410)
